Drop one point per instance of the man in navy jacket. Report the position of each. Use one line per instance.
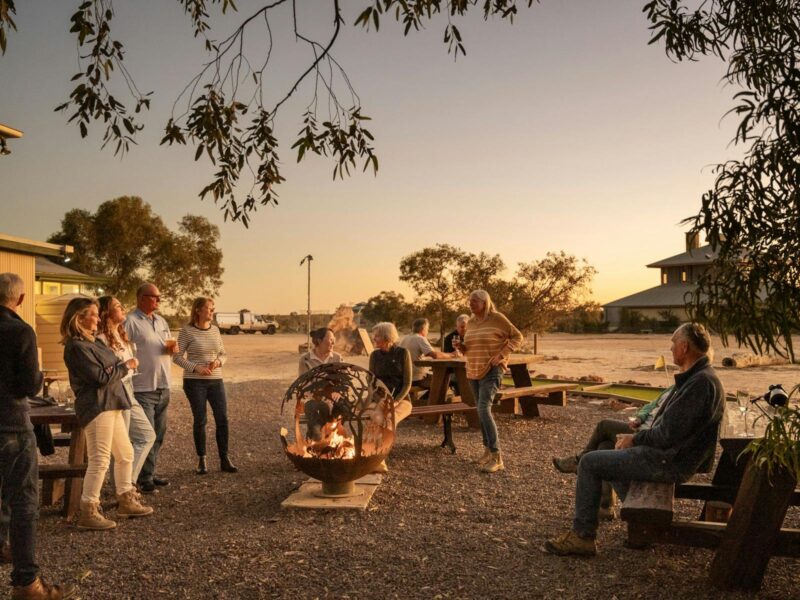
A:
(20, 377)
(682, 438)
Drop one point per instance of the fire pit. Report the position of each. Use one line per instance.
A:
(350, 425)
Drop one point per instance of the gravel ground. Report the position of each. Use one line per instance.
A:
(435, 528)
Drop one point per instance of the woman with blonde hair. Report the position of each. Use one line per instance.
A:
(488, 340)
(95, 375)
(112, 334)
(201, 355)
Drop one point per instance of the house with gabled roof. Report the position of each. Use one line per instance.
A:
(678, 274)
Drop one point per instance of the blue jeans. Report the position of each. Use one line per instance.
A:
(620, 467)
(484, 391)
(142, 436)
(19, 485)
(155, 405)
(198, 392)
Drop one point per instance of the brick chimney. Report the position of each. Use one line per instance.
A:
(692, 241)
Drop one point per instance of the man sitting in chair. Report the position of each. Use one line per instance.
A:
(418, 346)
(682, 438)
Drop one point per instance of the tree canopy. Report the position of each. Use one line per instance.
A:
(751, 216)
(127, 242)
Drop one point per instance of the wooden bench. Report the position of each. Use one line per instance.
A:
(446, 411)
(526, 400)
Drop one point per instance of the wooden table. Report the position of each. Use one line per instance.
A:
(73, 470)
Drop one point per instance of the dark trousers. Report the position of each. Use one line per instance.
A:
(604, 436)
(211, 391)
(155, 405)
(19, 487)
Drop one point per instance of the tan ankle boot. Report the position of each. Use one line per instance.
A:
(484, 458)
(130, 505)
(495, 463)
(92, 518)
(39, 590)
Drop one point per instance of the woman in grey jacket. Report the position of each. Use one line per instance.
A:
(95, 375)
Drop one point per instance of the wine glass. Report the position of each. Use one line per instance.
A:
(133, 352)
(743, 401)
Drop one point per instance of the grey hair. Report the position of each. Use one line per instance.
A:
(696, 335)
(484, 297)
(386, 331)
(11, 288)
(143, 288)
(462, 319)
(419, 324)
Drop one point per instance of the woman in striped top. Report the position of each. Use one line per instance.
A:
(489, 339)
(201, 354)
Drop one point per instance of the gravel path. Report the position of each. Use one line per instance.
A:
(435, 528)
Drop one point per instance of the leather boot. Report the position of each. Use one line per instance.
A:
(484, 458)
(92, 518)
(130, 506)
(495, 463)
(226, 464)
(5, 553)
(202, 468)
(39, 590)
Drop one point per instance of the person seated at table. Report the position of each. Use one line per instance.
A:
(681, 438)
(447, 345)
(321, 353)
(391, 364)
(604, 437)
(418, 346)
(95, 375)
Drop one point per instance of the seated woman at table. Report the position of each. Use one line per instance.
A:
(112, 334)
(391, 364)
(321, 353)
(95, 375)
(488, 340)
(201, 355)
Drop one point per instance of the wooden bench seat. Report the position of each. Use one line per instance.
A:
(61, 471)
(525, 400)
(447, 411)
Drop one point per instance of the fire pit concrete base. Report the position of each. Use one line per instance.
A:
(309, 495)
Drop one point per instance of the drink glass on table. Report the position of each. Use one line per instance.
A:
(743, 402)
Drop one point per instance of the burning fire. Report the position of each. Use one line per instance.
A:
(335, 443)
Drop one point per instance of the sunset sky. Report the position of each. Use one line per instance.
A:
(565, 131)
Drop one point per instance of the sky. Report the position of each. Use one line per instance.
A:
(564, 131)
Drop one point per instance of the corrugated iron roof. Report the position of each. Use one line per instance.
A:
(657, 297)
(703, 255)
(48, 268)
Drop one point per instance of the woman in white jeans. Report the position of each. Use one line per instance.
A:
(95, 375)
(112, 334)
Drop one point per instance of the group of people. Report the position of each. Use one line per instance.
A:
(119, 370)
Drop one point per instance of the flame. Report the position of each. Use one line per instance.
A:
(335, 443)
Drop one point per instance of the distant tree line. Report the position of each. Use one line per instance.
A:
(545, 294)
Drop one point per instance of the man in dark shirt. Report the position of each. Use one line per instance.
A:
(682, 438)
(20, 377)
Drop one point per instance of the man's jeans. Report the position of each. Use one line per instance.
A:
(620, 467)
(155, 406)
(142, 436)
(198, 392)
(19, 480)
(484, 391)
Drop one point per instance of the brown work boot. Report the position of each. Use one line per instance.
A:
(382, 467)
(571, 543)
(567, 464)
(130, 505)
(495, 463)
(484, 458)
(91, 517)
(39, 590)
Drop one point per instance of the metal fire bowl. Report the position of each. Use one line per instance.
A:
(338, 470)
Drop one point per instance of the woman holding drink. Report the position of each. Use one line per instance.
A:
(488, 340)
(96, 376)
(201, 355)
(111, 332)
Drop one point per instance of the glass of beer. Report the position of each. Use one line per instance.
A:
(171, 343)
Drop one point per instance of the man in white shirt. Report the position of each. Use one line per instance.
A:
(418, 346)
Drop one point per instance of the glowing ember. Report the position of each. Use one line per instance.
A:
(334, 443)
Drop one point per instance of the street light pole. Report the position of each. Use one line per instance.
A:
(308, 259)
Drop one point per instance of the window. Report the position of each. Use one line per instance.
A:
(664, 278)
(70, 288)
(683, 276)
(51, 288)
(37, 288)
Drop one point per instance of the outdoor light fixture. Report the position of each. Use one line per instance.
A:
(64, 254)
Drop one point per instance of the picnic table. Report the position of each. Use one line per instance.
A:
(74, 469)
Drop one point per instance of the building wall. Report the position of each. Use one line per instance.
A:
(613, 314)
(23, 265)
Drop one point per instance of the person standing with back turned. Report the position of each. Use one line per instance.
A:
(20, 377)
(149, 332)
